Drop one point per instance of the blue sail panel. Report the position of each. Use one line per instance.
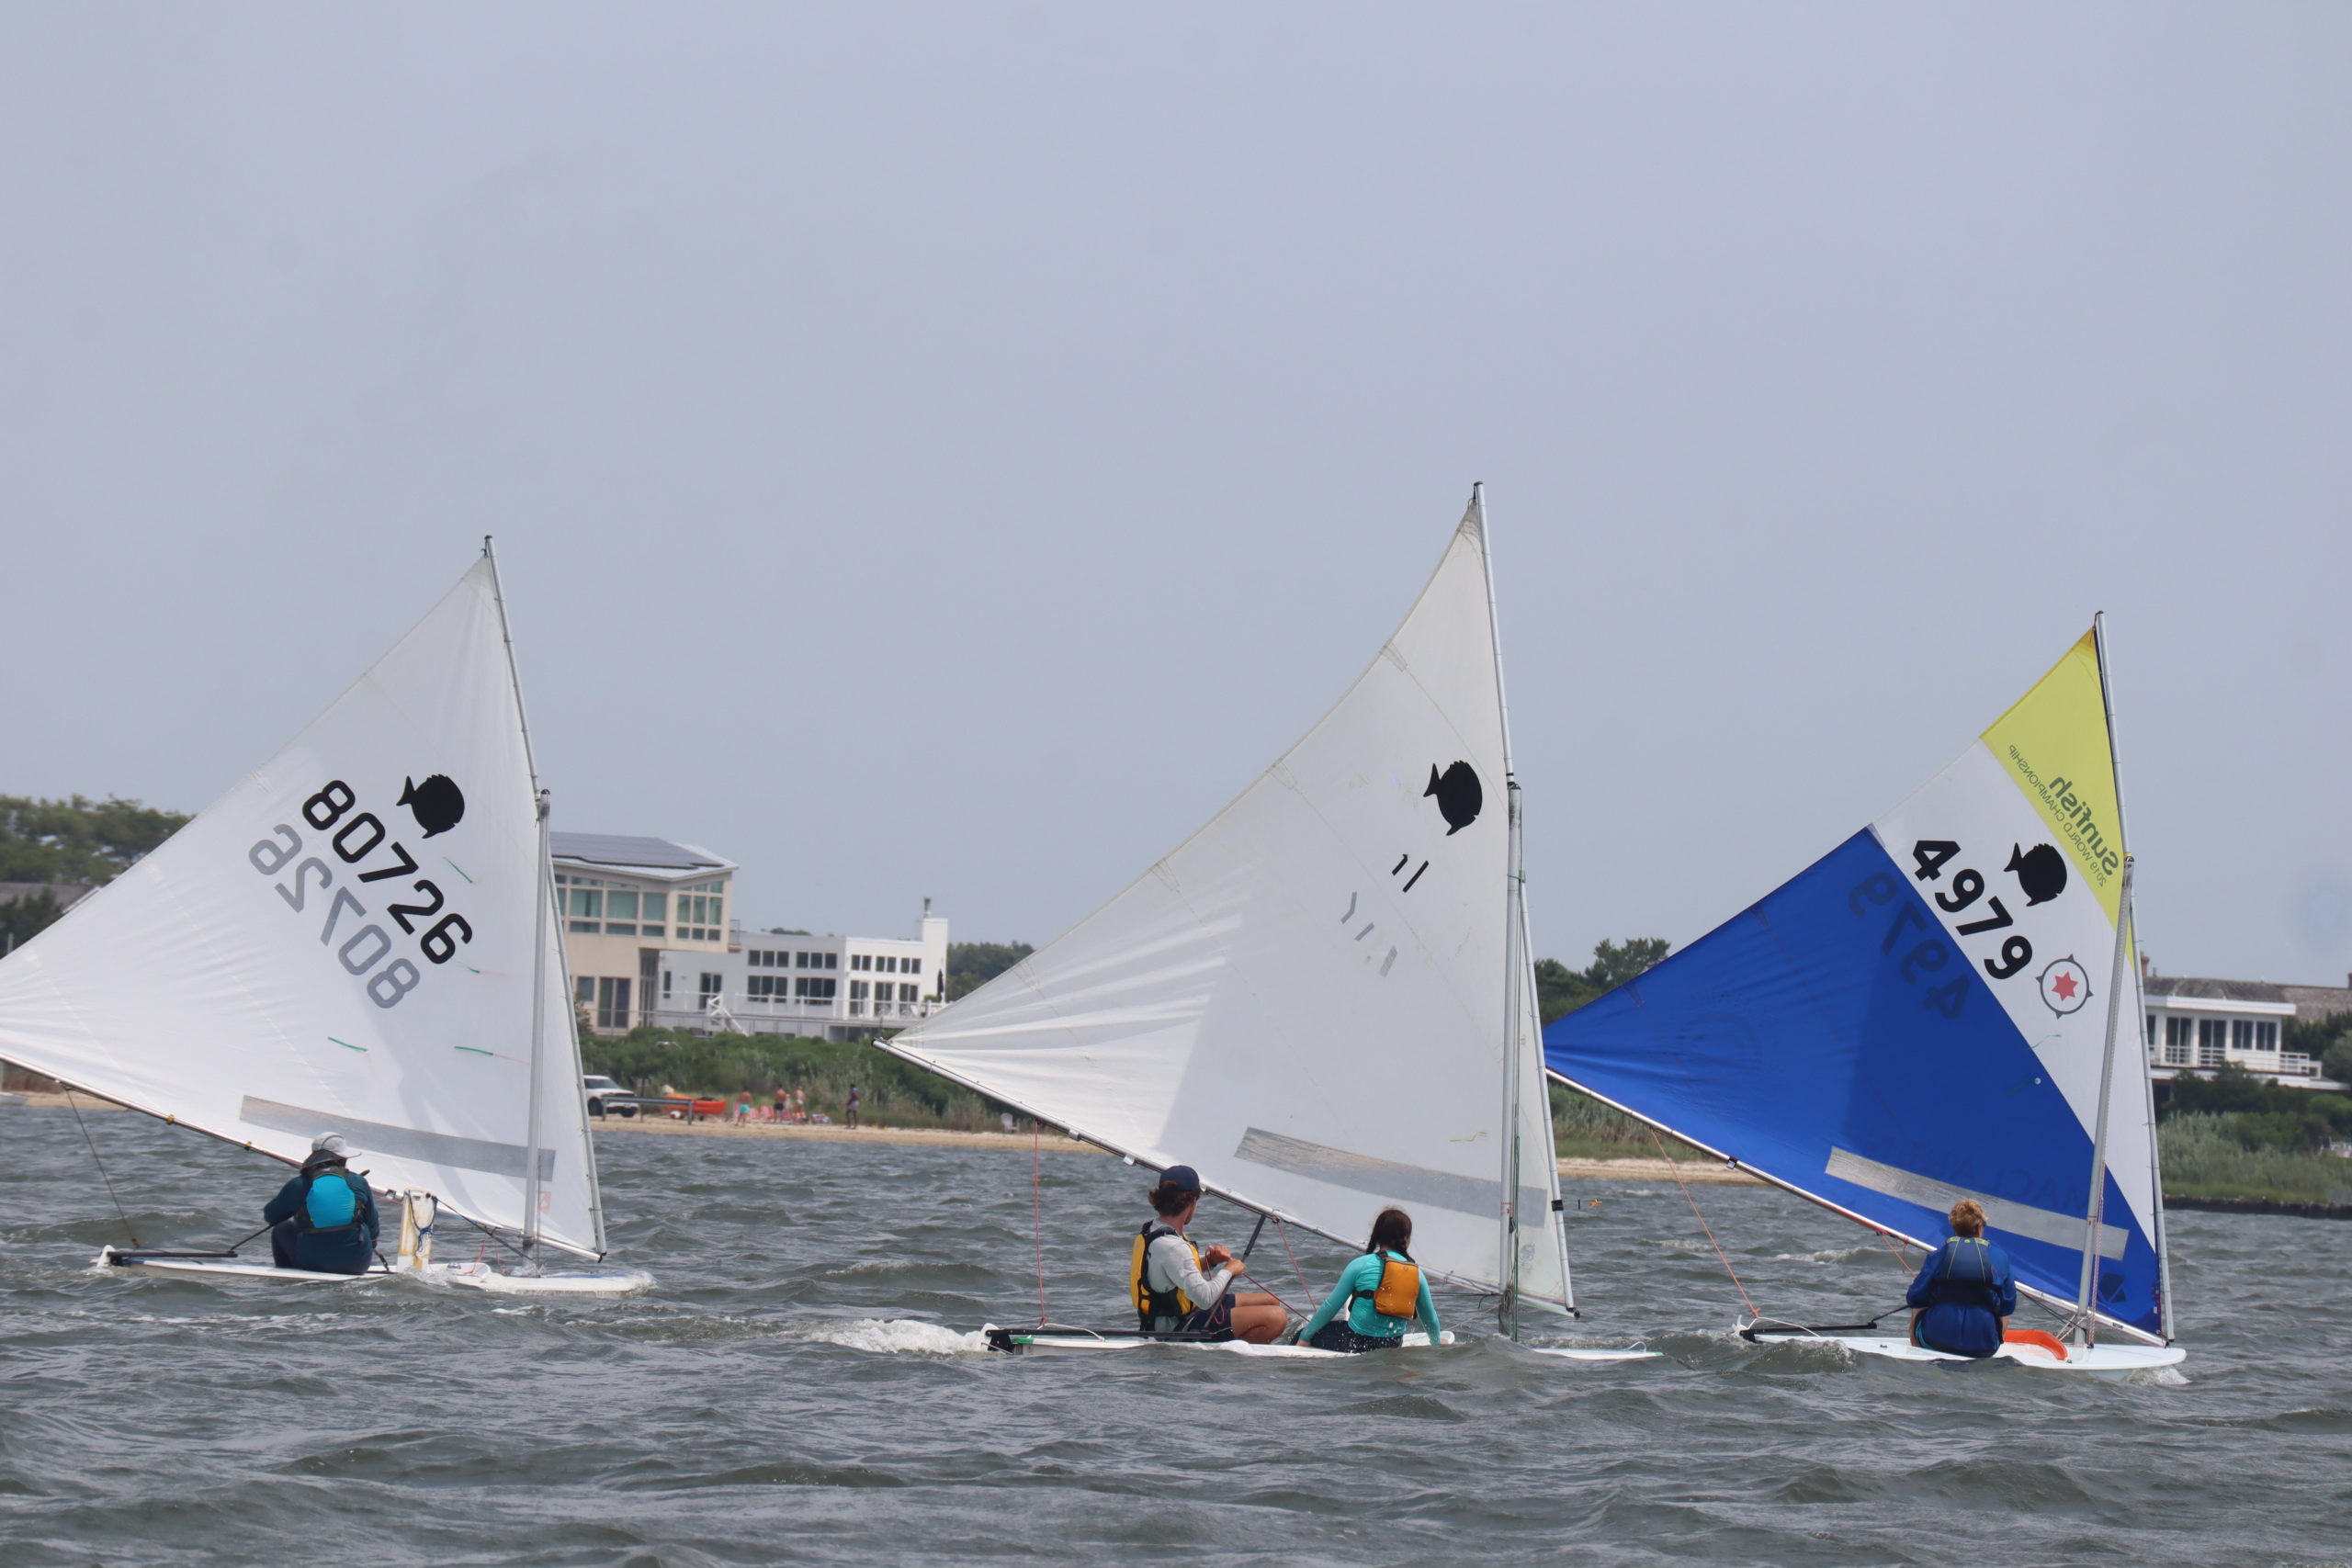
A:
(1826, 1038)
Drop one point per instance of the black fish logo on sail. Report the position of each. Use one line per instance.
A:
(1459, 796)
(2041, 871)
(437, 804)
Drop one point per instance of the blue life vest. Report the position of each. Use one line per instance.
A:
(1964, 1278)
(331, 1203)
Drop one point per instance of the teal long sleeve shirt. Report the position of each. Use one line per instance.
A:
(1357, 1281)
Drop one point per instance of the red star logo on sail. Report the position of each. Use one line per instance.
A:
(2065, 987)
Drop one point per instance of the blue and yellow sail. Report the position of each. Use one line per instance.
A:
(1922, 1015)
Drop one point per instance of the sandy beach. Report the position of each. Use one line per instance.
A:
(1693, 1172)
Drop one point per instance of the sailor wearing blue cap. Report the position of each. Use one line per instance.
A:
(1165, 1278)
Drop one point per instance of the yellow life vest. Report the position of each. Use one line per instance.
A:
(1150, 1303)
(1398, 1295)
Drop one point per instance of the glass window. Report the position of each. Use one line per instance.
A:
(832, 960)
(612, 1003)
(585, 927)
(711, 985)
(587, 904)
(906, 993)
(649, 930)
(814, 989)
(584, 992)
(656, 906)
(858, 990)
(911, 965)
(620, 906)
(614, 928)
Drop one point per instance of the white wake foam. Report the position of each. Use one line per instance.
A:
(895, 1337)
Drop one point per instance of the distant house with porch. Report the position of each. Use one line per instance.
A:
(2198, 1025)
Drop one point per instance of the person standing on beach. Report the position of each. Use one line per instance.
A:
(848, 1108)
(782, 1103)
(1963, 1296)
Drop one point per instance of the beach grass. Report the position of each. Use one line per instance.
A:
(2204, 1157)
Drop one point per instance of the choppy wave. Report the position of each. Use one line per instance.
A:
(807, 1383)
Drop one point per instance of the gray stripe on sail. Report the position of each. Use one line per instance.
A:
(1388, 1179)
(402, 1143)
(2001, 1213)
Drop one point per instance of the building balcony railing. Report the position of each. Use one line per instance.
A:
(2207, 1058)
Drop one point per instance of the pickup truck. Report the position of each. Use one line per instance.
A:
(605, 1096)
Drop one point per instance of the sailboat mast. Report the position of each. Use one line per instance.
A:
(531, 1158)
(2095, 1221)
(1514, 957)
(2119, 985)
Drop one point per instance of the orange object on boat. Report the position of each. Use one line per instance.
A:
(2035, 1337)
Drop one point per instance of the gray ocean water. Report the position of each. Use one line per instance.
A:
(802, 1387)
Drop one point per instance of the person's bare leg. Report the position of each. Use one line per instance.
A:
(1257, 1318)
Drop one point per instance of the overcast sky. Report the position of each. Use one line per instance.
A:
(950, 450)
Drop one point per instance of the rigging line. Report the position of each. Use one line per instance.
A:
(1900, 1261)
(100, 1164)
(1703, 1225)
(1304, 1288)
(488, 1237)
(1038, 1210)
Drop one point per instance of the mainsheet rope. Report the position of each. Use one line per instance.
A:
(1306, 1291)
(1703, 1225)
(76, 1104)
(1037, 1209)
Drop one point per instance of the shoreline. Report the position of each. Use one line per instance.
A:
(1639, 1167)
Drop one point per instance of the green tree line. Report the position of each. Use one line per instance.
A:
(66, 842)
(78, 840)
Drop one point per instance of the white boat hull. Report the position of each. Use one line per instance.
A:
(227, 1268)
(478, 1276)
(1023, 1341)
(2109, 1361)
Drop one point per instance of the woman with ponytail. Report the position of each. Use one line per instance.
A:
(1381, 1292)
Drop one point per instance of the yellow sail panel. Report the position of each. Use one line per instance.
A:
(2054, 743)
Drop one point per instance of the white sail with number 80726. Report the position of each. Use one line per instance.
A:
(357, 938)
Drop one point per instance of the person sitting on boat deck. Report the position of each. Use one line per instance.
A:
(324, 1219)
(1165, 1279)
(1962, 1298)
(1381, 1292)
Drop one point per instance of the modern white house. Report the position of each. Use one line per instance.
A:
(652, 938)
(2197, 1025)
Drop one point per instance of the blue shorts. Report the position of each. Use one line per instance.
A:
(1212, 1322)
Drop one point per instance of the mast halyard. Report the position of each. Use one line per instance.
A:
(1513, 997)
(1515, 958)
(2119, 983)
(2095, 1221)
(538, 1053)
(531, 1156)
